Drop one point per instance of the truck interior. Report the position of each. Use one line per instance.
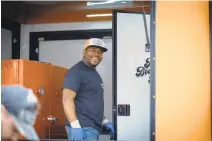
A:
(171, 40)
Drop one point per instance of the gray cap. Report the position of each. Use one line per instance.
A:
(21, 104)
(95, 42)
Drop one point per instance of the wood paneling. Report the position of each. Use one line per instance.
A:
(38, 76)
(75, 16)
(60, 12)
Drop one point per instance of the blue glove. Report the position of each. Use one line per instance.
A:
(109, 126)
(77, 134)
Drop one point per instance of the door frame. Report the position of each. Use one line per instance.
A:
(210, 32)
(15, 28)
(35, 37)
(152, 68)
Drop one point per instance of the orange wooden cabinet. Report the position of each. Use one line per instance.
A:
(46, 82)
(57, 129)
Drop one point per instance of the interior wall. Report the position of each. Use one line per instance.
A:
(15, 29)
(27, 28)
(182, 71)
(6, 44)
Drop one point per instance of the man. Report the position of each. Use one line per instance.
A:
(19, 108)
(83, 98)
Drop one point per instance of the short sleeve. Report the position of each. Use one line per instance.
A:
(72, 80)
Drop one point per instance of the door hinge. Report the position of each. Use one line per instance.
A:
(114, 108)
(41, 39)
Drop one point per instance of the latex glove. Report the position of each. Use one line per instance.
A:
(76, 131)
(77, 134)
(109, 126)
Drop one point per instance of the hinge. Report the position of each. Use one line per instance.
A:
(40, 39)
(36, 50)
(147, 47)
(107, 37)
(114, 108)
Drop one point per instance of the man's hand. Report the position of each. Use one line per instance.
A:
(109, 126)
(69, 109)
(76, 131)
(77, 134)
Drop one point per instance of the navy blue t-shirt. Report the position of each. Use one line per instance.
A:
(89, 100)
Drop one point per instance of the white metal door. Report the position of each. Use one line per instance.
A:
(132, 68)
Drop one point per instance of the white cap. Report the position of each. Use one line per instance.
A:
(95, 42)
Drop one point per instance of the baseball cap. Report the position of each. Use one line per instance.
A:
(21, 104)
(95, 42)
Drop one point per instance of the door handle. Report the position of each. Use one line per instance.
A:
(52, 119)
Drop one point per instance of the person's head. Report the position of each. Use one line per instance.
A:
(19, 107)
(93, 51)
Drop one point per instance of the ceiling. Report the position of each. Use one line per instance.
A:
(41, 2)
(85, 2)
(21, 11)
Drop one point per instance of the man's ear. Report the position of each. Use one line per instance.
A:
(83, 53)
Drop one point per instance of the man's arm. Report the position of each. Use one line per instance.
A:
(68, 104)
(71, 86)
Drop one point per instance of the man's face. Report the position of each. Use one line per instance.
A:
(8, 130)
(93, 56)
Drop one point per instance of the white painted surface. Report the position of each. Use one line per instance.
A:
(6, 44)
(27, 28)
(131, 89)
